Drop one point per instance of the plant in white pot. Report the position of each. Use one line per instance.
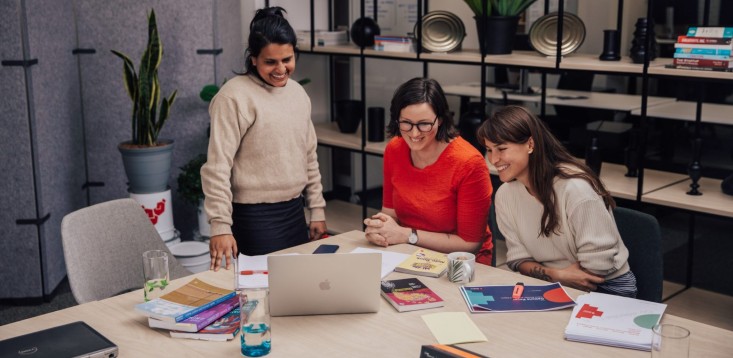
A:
(189, 187)
(147, 159)
(496, 29)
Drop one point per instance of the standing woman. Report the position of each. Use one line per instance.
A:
(262, 152)
(437, 190)
(554, 212)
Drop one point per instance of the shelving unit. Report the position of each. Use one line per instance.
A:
(651, 186)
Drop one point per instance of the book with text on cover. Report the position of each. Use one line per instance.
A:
(447, 351)
(482, 299)
(198, 321)
(410, 294)
(424, 262)
(221, 330)
(185, 301)
(614, 321)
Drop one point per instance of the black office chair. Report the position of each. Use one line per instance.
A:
(641, 234)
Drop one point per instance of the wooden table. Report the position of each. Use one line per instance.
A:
(384, 334)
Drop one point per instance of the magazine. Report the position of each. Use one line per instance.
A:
(482, 299)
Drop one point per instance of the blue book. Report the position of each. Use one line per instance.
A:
(705, 57)
(724, 32)
(184, 302)
(482, 299)
(703, 51)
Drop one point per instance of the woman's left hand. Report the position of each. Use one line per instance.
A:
(386, 229)
(317, 229)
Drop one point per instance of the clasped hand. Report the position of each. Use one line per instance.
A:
(383, 230)
(577, 277)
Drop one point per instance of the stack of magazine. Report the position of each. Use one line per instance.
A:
(197, 310)
(614, 321)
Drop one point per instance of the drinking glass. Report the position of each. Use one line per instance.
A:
(670, 341)
(256, 339)
(156, 273)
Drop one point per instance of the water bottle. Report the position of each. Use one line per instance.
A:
(254, 323)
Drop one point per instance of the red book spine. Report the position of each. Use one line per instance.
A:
(703, 40)
(701, 62)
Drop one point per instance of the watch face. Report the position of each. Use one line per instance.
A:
(412, 238)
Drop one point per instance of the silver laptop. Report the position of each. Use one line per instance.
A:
(75, 339)
(324, 284)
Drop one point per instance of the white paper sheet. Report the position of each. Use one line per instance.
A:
(390, 260)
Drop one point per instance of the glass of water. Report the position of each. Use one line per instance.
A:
(155, 271)
(255, 322)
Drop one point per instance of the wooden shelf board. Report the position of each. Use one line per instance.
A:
(329, 134)
(342, 49)
(390, 54)
(342, 216)
(376, 147)
(619, 185)
(523, 59)
(712, 201)
(468, 56)
(685, 111)
(591, 62)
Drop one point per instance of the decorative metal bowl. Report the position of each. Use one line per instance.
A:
(442, 31)
(543, 34)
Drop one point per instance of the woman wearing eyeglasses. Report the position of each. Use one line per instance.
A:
(437, 189)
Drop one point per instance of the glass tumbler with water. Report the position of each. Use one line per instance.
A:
(155, 270)
(256, 335)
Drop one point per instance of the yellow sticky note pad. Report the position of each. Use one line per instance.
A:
(453, 327)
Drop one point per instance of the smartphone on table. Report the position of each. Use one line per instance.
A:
(326, 249)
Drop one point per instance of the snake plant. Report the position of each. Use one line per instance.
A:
(499, 7)
(144, 90)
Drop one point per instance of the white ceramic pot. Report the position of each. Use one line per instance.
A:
(159, 208)
(193, 255)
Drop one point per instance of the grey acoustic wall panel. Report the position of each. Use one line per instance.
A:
(184, 27)
(60, 156)
(20, 270)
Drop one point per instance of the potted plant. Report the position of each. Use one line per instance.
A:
(189, 187)
(147, 159)
(500, 20)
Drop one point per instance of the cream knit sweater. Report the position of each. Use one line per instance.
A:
(587, 232)
(262, 150)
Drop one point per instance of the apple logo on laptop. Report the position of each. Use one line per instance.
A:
(325, 285)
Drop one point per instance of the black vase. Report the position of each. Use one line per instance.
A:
(375, 124)
(593, 157)
(499, 35)
(349, 114)
(640, 37)
(727, 185)
(610, 46)
(363, 31)
(469, 123)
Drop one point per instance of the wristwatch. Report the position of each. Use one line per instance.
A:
(412, 239)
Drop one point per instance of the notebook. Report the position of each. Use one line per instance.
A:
(324, 284)
(75, 339)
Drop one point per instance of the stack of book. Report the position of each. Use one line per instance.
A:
(197, 310)
(393, 43)
(704, 48)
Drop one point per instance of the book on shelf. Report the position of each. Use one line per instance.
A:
(702, 51)
(223, 329)
(706, 57)
(697, 31)
(424, 262)
(614, 321)
(703, 62)
(707, 47)
(410, 294)
(704, 40)
(198, 321)
(699, 68)
(447, 351)
(186, 301)
(498, 298)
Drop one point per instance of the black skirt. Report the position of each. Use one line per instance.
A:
(263, 228)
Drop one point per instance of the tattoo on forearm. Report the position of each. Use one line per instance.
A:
(539, 272)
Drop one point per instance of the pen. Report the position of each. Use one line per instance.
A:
(252, 272)
(518, 289)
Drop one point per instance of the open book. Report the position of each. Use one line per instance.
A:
(614, 321)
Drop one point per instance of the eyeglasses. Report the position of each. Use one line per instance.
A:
(406, 126)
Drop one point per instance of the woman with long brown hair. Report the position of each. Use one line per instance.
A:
(554, 212)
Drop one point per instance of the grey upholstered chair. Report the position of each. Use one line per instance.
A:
(641, 235)
(495, 233)
(103, 246)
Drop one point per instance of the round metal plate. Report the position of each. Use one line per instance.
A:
(543, 34)
(442, 31)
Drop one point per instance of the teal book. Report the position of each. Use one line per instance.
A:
(724, 32)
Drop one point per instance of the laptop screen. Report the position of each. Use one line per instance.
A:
(70, 340)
